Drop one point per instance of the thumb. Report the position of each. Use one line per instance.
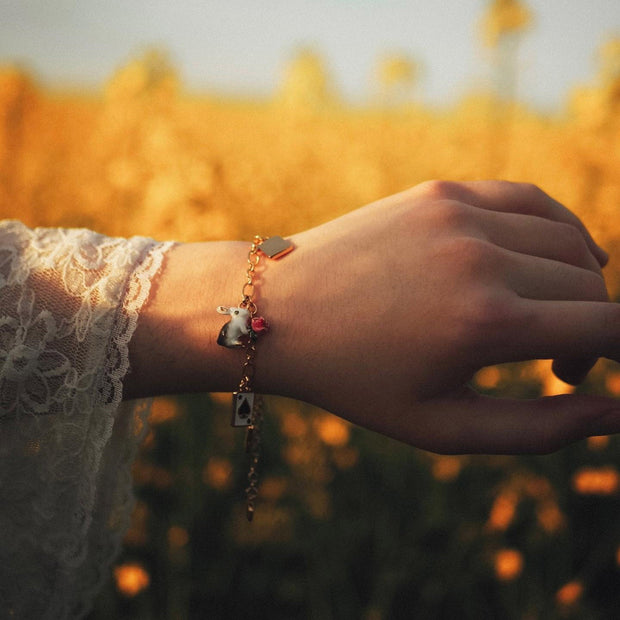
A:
(473, 423)
(573, 371)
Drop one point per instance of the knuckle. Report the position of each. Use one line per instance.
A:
(559, 424)
(571, 235)
(575, 247)
(533, 189)
(437, 189)
(451, 215)
(470, 255)
(593, 287)
(574, 244)
(485, 318)
(524, 187)
(534, 201)
(483, 308)
(489, 311)
(529, 191)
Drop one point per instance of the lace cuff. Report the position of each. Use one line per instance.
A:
(69, 305)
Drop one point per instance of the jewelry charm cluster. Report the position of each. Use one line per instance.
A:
(242, 331)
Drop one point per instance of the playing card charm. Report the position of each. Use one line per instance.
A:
(243, 404)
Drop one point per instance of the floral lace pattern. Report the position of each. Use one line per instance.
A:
(69, 304)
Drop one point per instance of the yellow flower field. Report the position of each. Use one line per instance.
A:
(146, 157)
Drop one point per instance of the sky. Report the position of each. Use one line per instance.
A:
(242, 46)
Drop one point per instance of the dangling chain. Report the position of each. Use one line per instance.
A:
(253, 434)
(242, 331)
(252, 447)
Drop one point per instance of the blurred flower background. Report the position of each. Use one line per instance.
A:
(349, 524)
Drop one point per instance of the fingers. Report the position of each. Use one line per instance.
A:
(472, 423)
(532, 277)
(565, 330)
(550, 280)
(536, 236)
(521, 198)
(523, 219)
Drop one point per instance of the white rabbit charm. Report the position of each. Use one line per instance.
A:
(240, 326)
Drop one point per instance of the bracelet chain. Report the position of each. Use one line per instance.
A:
(248, 370)
(248, 406)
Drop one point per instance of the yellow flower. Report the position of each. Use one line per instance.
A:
(598, 442)
(446, 468)
(504, 17)
(217, 473)
(163, 409)
(569, 593)
(503, 511)
(131, 579)
(550, 516)
(332, 430)
(488, 377)
(596, 480)
(508, 564)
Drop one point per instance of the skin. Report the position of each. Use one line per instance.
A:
(384, 315)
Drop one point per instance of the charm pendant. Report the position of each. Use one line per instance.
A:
(243, 404)
(275, 247)
(241, 327)
(232, 333)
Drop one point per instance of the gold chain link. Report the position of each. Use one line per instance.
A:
(247, 292)
(248, 371)
(253, 449)
(273, 248)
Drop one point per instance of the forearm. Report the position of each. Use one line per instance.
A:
(174, 348)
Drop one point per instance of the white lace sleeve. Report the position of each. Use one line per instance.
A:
(69, 304)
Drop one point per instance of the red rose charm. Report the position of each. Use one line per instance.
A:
(259, 325)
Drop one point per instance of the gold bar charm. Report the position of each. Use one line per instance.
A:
(243, 404)
(275, 247)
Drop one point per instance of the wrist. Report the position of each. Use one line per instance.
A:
(174, 348)
(242, 331)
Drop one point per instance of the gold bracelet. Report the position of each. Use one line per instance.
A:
(242, 331)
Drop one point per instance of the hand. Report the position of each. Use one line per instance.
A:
(383, 316)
